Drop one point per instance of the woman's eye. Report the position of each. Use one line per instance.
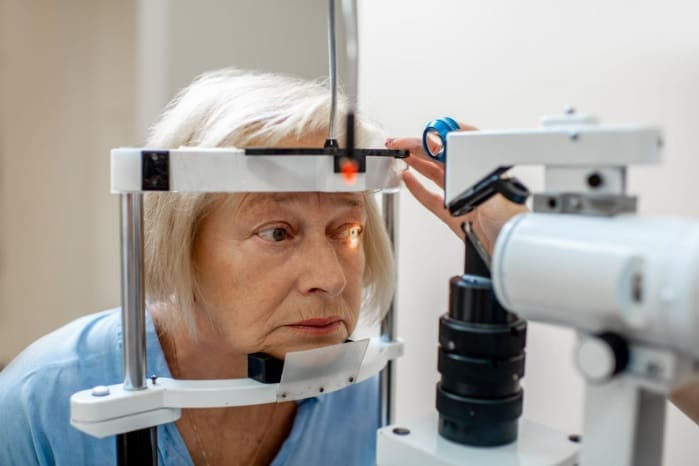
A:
(274, 235)
(351, 234)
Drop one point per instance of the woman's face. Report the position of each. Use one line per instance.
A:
(281, 272)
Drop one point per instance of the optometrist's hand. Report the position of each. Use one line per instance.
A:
(487, 219)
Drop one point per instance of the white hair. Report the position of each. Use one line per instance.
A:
(234, 108)
(230, 107)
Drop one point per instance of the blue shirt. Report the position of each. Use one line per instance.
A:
(35, 390)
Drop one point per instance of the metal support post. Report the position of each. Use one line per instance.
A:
(623, 424)
(133, 315)
(138, 447)
(332, 69)
(388, 324)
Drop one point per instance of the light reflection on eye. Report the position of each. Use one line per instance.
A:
(352, 235)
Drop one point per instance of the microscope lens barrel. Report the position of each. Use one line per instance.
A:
(472, 299)
(633, 276)
(480, 360)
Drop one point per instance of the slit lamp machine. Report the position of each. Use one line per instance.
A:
(627, 285)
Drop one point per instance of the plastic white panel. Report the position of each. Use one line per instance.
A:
(537, 445)
(321, 370)
(230, 170)
(473, 155)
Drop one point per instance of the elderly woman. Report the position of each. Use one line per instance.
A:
(228, 275)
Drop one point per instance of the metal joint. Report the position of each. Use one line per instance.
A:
(601, 205)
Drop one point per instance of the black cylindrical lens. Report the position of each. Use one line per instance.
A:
(481, 362)
(472, 299)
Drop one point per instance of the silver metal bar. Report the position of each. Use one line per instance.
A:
(475, 240)
(133, 302)
(388, 324)
(650, 429)
(349, 8)
(332, 62)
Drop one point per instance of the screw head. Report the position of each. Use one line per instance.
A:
(100, 390)
(654, 370)
(401, 431)
(595, 180)
(574, 203)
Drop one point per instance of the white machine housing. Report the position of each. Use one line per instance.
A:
(584, 269)
(417, 443)
(638, 277)
(564, 144)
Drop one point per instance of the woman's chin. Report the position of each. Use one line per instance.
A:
(302, 341)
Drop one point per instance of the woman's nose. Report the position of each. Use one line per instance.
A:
(323, 272)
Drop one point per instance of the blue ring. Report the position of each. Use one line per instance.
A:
(441, 127)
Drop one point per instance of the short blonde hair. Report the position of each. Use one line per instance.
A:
(233, 108)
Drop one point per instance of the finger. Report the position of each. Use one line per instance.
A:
(432, 202)
(413, 145)
(434, 143)
(466, 127)
(434, 171)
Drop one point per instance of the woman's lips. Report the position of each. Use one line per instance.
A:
(317, 326)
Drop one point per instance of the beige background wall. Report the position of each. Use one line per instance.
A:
(67, 95)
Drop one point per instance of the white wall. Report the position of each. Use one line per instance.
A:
(503, 64)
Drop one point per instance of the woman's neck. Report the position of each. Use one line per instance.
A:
(250, 435)
(204, 356)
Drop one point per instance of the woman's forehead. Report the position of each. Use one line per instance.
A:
(254, 201)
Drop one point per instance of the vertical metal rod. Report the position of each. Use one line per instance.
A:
(388, 324)
(133, 302)
(332, 62)
(352, 72)
(140, 447)
(349, 8)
